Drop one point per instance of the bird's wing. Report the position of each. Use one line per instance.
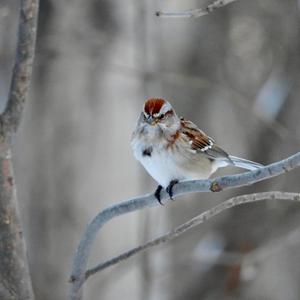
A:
(201, 142)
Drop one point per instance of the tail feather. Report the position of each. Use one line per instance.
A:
(244, 163)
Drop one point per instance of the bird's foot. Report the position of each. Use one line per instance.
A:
(169, 188)
(157, 194)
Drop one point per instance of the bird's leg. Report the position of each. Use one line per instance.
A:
(169, 188)
(157, 194)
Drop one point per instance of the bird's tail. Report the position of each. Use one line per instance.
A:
(244, 163)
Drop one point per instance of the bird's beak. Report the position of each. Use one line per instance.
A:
(152, 121)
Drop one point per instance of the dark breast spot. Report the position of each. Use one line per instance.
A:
(147, 151)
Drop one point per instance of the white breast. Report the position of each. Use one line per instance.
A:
(162, 168)
(165, 165)
(159, 165)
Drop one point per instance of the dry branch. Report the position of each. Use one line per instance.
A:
(10, 118)
(194, 13)
(15, 282)
(211, 185)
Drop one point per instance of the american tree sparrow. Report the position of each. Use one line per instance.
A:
(173, 149)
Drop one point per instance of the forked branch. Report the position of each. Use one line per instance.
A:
(211, 185)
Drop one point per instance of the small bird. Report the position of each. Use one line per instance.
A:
(172, 149)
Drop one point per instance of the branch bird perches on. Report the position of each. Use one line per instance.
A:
(78, 275)
(203, 217)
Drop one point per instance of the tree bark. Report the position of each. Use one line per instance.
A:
(15, 281)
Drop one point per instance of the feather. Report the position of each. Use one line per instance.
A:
(245, 164)
(202, 143)
(197, 138)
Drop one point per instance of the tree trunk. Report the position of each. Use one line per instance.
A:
(15, 282)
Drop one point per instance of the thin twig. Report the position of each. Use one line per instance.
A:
(10, 118)
(203, 217)
(211, 185)
(194, 13)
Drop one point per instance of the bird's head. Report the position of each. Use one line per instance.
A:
(158, 111)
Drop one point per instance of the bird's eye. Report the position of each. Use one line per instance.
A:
(161, 116)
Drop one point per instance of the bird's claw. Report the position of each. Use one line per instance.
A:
(157, 194)
(169, 188)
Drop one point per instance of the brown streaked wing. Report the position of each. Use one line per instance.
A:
(200, 141)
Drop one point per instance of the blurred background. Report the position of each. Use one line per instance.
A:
(235, 73)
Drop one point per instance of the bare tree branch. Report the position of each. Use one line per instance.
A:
(15, 281)
(211, 185)
(194, 13)
(203, 217)
(10, 118)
